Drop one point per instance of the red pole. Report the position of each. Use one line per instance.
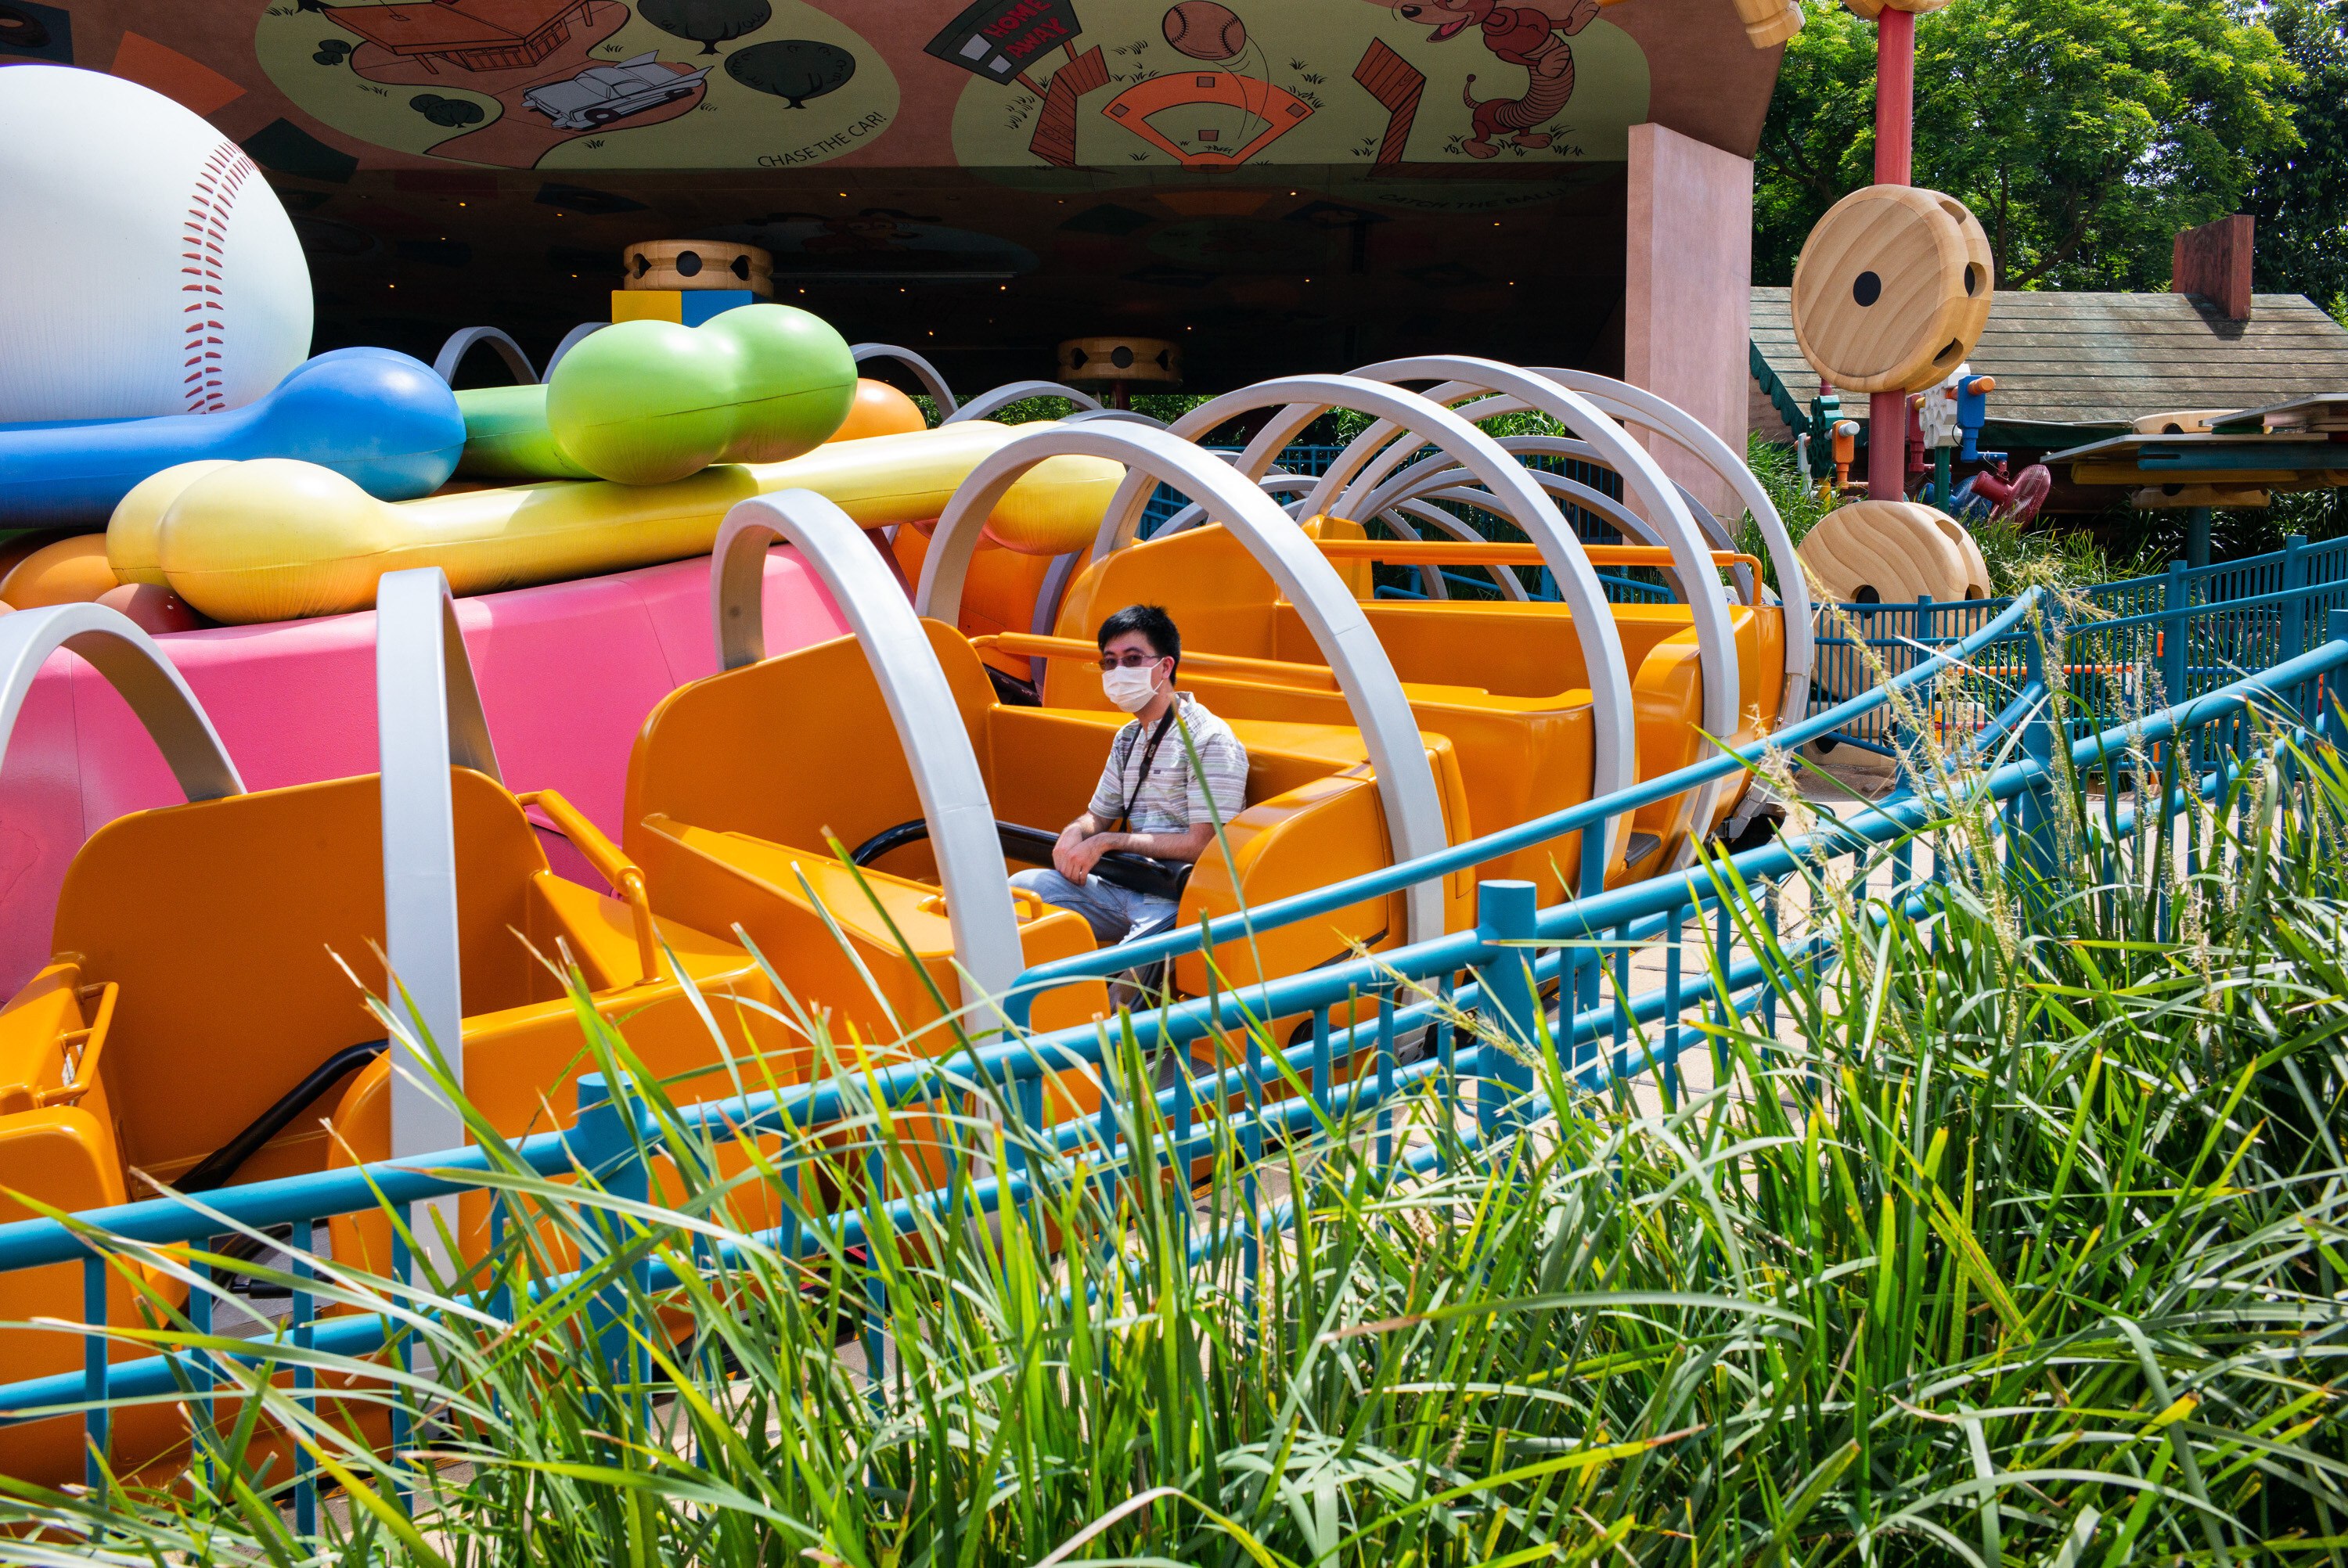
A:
(1895, 97)
(1895, 139)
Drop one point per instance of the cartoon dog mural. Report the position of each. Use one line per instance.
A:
(1530, 36)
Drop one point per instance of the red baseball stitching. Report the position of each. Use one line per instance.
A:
(204, 253)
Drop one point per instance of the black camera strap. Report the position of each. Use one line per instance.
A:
(1149, 755)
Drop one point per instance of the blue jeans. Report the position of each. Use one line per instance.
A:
(1116, 914)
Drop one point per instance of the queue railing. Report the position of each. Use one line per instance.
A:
(2131, 647)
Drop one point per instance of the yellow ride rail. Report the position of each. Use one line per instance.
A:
(1456, 552)
(1030, 645)
(612, 866)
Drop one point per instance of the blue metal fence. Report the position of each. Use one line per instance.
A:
(2134, 646)
(1527, 977)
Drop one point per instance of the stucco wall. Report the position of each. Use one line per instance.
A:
(1688, 253)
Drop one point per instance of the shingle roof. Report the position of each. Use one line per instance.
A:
(2080, 357)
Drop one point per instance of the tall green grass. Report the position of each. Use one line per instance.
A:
(2019, 1238)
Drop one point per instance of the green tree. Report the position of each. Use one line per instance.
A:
(2083, 133)
(709, 23)
(2300, 200)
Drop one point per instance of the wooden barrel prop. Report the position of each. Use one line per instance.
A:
(1104, 360)
(1893, 288)
(698, 264)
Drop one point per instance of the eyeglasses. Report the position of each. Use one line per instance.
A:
(1131, 660)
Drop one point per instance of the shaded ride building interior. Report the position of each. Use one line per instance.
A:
(1305, 186)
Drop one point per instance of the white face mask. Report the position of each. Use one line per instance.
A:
(1130, 689)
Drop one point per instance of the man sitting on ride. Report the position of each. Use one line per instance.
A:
(1151, 800)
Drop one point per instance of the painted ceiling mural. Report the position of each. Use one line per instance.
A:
(1043, 84)
(1207, 86)
(584, 83)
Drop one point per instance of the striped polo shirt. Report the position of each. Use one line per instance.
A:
(1175, 796)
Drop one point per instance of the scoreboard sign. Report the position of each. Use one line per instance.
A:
(998, 39)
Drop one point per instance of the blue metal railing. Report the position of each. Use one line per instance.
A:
(2148, 643)
(1355, 1013)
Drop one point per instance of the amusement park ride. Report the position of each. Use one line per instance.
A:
(561, 762)
(717, 672)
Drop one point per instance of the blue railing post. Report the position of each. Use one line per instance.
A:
(2333, 700)
(1505, 912)
(1581, 966)
(605, 1143)
(2294, 578)
(2175, 631)
(207, 1442)
(2176, 638)
(2290, 639)
(1921, 653)
(93, 1373)
(302, 1320)
(2034, 808)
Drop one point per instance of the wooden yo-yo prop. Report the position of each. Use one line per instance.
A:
(1117, 363)
(2182, 422)
(698, 264)
(1893, 288)
(1886, 552)
(2180, 497)
(1892, 552)
(1872, 9)
(1769, 22)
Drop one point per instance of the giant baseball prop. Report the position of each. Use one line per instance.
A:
(157, 272)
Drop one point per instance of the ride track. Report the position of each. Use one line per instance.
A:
(1524, 975)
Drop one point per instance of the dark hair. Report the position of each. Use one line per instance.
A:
(1156, 627)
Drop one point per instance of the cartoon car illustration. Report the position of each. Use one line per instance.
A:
(602, 94)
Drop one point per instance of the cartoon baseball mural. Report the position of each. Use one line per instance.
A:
(1532, 36)
(586, 84)
(1043, 84)
(1056, 83)
(1208, 85)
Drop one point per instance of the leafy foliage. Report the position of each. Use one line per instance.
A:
(794, 70)
(1798, 498)
(2083, 133)
(451, 112)
(709, 23)
(2300, 197)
